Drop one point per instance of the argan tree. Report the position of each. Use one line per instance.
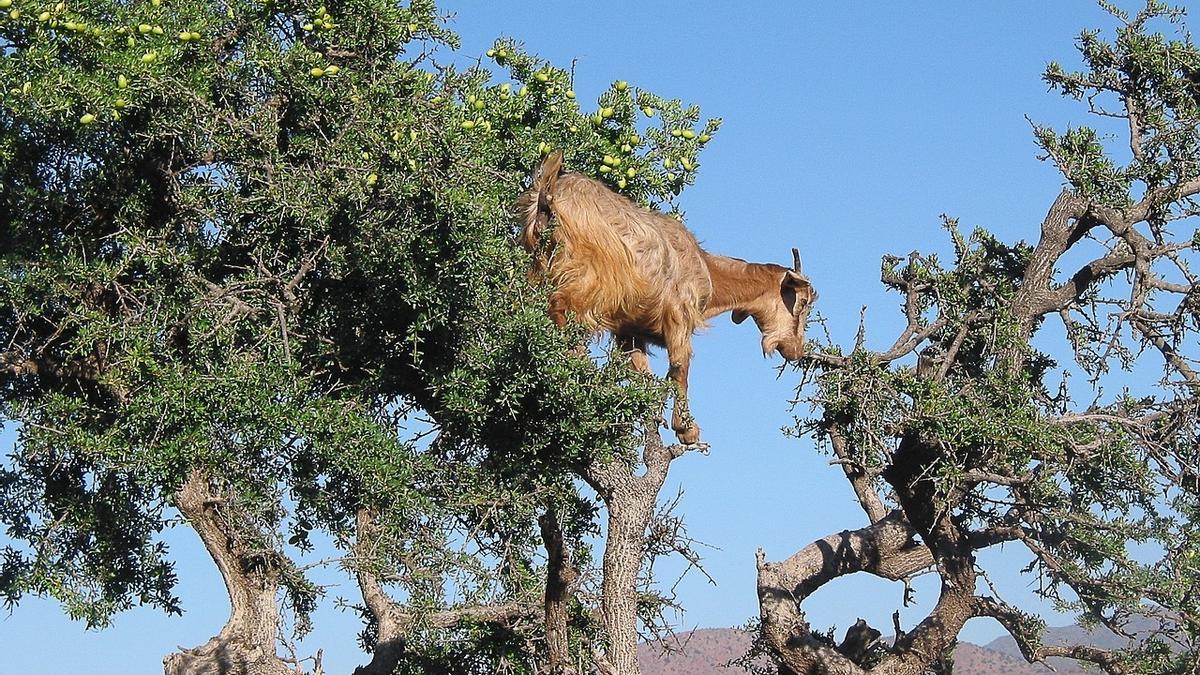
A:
(257, 269)
(1042, 395)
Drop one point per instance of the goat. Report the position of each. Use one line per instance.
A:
(642, 276)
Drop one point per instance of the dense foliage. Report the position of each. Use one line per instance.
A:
(270, 242)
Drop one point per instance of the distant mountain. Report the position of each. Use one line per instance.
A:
(705, 651)
(696, 652)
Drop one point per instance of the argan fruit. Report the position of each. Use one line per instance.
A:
(87, 118)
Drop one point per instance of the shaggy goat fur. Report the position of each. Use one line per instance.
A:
(642, 276)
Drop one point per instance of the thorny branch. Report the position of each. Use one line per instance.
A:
(951, 508)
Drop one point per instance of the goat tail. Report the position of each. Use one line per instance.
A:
(535, 207)
(546, 175)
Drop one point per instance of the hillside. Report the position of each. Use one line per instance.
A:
(706, 650)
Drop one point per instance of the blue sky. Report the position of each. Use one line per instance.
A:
(849, 127)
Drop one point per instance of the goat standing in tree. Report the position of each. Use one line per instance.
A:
(641, 275)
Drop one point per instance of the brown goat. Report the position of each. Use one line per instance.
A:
(641, 276)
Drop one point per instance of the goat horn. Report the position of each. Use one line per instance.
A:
(796, 260)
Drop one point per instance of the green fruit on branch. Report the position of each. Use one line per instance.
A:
(87, 118)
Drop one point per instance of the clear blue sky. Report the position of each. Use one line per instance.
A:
(848, 128)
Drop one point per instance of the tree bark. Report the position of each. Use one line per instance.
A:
(630, 499)
(561, 576)
(623, 552)
(246, 644)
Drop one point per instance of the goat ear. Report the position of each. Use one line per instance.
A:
(795, 280)
(739, 316)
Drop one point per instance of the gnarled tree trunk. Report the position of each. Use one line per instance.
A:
(246, 644)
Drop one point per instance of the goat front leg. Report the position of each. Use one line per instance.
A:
(679, 354)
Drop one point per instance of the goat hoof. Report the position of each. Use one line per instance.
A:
(689, 436)
(702, 448)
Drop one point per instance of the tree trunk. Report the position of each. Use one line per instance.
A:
(246, 645)
(560, 580)
(623, 551)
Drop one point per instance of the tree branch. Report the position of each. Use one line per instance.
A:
(1017, 624)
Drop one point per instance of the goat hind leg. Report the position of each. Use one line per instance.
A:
(635, 349)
